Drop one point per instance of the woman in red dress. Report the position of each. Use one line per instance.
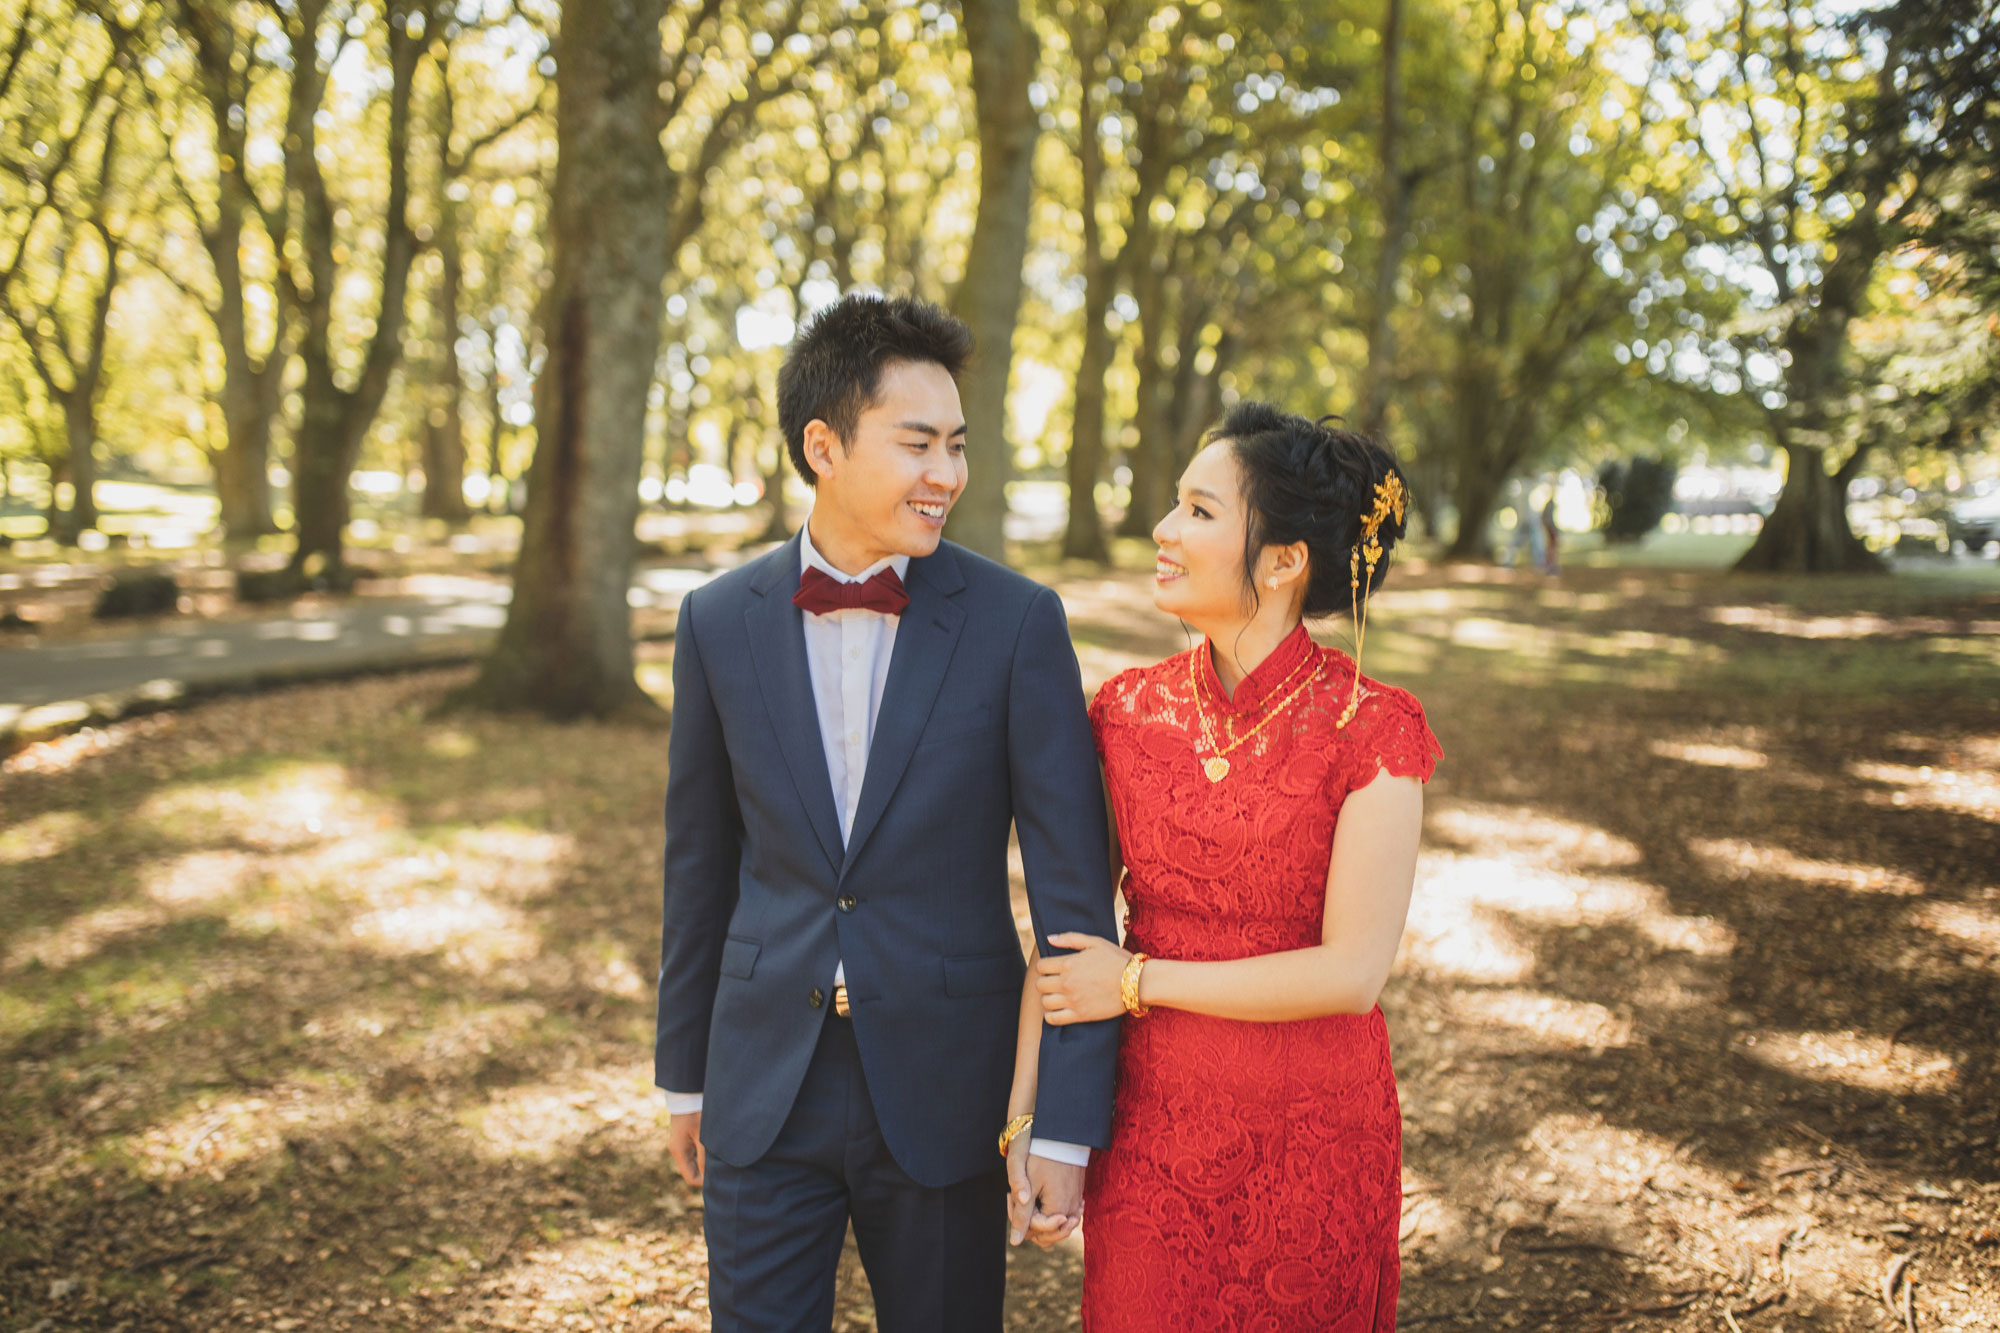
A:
(1267, 801)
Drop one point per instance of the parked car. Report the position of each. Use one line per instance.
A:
(1974, 524)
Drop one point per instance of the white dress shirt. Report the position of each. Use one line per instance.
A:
(847, 656)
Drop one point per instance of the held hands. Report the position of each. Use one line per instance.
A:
(1081, 987)
(1044, 1197)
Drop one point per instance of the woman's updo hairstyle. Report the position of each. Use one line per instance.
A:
(1310, 482)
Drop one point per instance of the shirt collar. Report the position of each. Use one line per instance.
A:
(810, 558)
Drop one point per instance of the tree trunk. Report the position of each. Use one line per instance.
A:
(1004, 53)
(249, 396)
(444, 422)
(1372, 413)
(1083, 539)
(444, 427)
(566, 650)
(1808, 532)
(335, 421)
(1475, 493)
(80, 438)
(1151, 461)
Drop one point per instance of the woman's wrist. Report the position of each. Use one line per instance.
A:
(1150, 990)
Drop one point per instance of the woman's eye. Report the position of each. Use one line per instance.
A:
(1199, 512)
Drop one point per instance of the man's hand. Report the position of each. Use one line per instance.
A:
(684, 1146)
(1056, 1193)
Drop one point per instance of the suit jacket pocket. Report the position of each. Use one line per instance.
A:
(982, 973)
(956, 725)
(739, 956)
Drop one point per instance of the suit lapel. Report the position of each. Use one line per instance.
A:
(778, 647)
(925, 641)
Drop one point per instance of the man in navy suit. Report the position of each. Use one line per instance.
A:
(859, 716)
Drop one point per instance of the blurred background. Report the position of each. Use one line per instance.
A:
(376, 378)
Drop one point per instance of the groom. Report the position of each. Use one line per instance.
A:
(858, 718)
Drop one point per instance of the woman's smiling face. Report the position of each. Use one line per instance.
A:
(1199, 574)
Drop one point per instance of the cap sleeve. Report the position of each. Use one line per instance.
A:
(1389, 735)
(1112, 702)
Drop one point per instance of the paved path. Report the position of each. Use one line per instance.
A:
(428, 615)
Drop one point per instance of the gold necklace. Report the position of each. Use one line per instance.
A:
(1216, 767)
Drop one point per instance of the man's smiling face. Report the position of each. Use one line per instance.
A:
(888, 489)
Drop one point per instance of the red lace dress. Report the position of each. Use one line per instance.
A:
(1254, 1179)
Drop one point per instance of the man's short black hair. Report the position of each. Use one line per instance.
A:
(835, 366)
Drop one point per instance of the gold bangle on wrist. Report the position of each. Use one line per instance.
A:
(1015, 1128)
(1128, 986)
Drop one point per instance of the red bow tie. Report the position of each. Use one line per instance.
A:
(819, 592)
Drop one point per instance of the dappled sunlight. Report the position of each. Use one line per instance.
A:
(1445, 939)
(1554, 1020)
(63, 753)
(1857, 1059)
(1433, 1221)
(1785, 621)
(514, 862)
(450, 743)
(70, 942)
(1458, 886)
(1524, 831)
(1961, 792)
(284, 807)
(42, 836)
(1973, 928)
(200, 878)
(1711, 756)
(546, 1119)
(467, 929)
(1100, 664)
(216, 1135)
(1741, 858)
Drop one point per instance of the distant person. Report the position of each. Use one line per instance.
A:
(1551, 536)
(1527, 535)
(1266, 800)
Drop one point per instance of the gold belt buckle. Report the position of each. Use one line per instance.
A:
(840, 1000)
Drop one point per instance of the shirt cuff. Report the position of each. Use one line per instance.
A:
(1069, 1154)
(683, 1103)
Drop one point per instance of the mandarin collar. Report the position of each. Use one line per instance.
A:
(1279, 670)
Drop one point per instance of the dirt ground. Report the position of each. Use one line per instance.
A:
(320, 1012)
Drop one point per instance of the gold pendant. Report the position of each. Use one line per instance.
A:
(1217, 768)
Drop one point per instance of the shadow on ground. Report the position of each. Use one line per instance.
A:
(322, 1013)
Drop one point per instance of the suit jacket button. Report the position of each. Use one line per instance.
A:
(817, 998)
(845, 902)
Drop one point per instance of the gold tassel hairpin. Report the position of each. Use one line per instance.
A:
(1389, 499)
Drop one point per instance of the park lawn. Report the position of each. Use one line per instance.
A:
(323, 1011)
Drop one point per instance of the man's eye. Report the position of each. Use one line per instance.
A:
(958, 446)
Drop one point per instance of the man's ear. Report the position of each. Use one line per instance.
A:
(821, 445)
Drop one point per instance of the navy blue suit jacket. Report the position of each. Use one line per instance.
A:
(982, 725)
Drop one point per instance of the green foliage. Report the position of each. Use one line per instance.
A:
(1636, 495)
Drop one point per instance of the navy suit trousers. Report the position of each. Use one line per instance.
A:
(936, 1257)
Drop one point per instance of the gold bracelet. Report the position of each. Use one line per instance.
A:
(1128, 986)
(1015, 1128)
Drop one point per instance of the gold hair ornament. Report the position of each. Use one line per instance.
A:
(1389, 499)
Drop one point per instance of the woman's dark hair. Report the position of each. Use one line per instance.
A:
(1306, 481)
(834, 368)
